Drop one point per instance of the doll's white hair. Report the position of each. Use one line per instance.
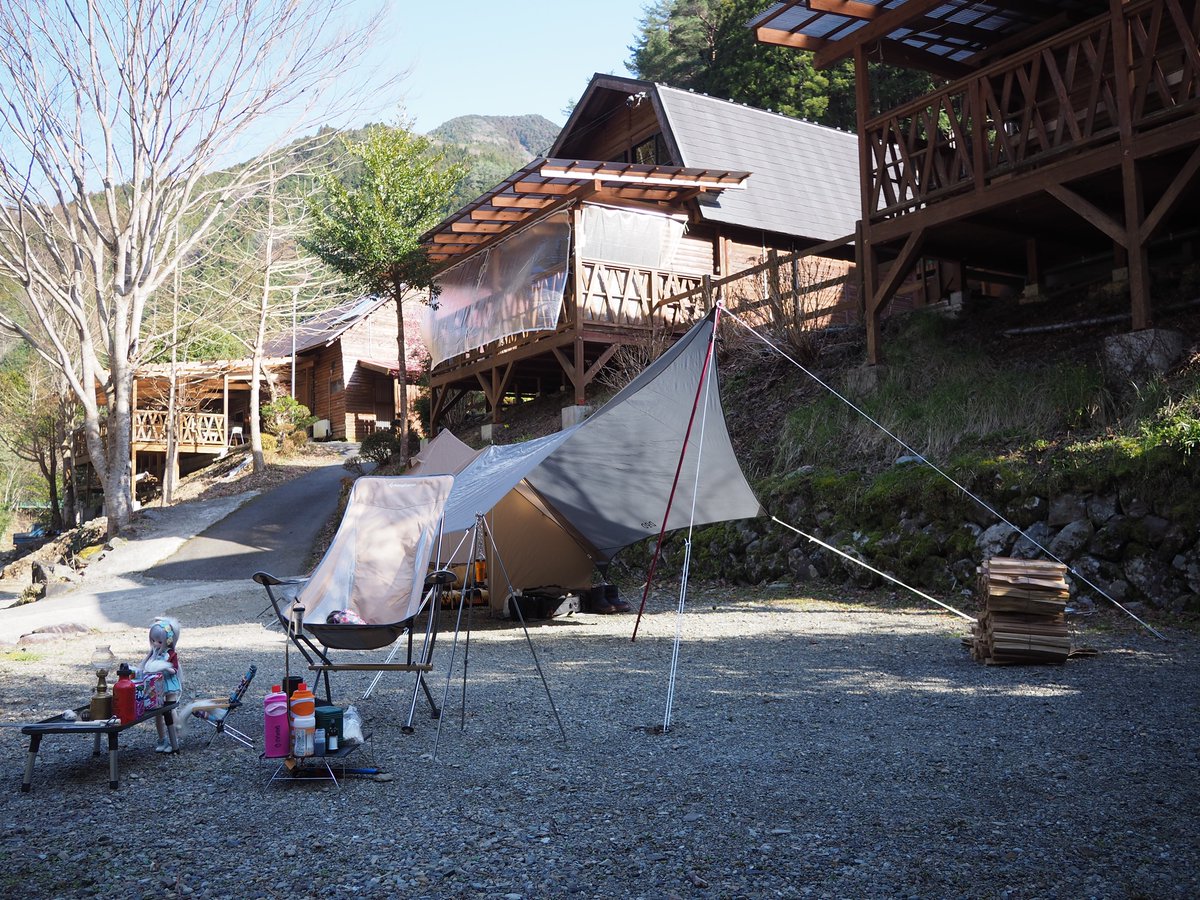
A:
(167, 628)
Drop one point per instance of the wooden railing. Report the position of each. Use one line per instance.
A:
(195, 431)
(1058, 96)
(628, 295)
(806, 285)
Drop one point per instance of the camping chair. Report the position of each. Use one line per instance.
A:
(217, 712)
(375, 571)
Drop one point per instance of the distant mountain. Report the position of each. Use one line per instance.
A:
(493, 147)
(529, 135)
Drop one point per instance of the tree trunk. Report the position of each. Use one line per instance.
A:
(117, 477)
(401, 369)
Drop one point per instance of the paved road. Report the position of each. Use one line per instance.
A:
(274, 532)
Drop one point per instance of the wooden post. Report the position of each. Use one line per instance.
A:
(225, 400)
(867, 301)
(1033, 270)
(1131, 181)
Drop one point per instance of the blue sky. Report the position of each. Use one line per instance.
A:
(504, 57)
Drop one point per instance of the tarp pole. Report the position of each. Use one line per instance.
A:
(678, 468)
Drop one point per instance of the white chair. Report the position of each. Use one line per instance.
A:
(236, 436)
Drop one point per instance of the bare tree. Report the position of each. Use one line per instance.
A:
(114, 117)
(36, 412)
(274, 281)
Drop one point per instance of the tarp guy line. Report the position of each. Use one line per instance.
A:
(687, 546)
(931, 465)
(859, 562)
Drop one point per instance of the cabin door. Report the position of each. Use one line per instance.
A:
(385, 406)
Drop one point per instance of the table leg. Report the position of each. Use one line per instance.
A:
(96, 745)
(114, 777)
(35, 741)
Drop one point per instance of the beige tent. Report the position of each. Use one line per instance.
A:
(563, 504)
(533, 548)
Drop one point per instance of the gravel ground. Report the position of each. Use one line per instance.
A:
(818, 749)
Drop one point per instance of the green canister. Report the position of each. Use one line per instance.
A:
(329, 719)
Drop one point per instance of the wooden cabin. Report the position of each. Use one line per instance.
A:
(648, 195)
(346, 364)
(1065, 131)
(212, 406)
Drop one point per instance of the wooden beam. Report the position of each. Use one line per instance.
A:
(462, 227)
(499, 215)
(777, 37)
(1171, 196)
(877, 29)
(521, 202)
(851, 8)
(896, 274)
(599, 363)
(1088, 212)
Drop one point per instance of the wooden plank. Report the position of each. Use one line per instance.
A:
(372, 667)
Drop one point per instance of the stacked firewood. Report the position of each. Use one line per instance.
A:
(1024, 613)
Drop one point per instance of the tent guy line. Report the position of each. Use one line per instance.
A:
(921, 457)
(859, 562)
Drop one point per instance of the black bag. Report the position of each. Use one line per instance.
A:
(542, 603)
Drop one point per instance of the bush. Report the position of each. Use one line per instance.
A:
(285, 415)
(294, 441)
(287, 419)
(379, 447)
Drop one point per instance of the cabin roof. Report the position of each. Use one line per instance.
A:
(548, 184)
(328, 326)
(947, 37)
(325, 327)
(804, 177)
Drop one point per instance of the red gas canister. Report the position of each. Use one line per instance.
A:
(124, 700)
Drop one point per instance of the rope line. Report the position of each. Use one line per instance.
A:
(859, 562)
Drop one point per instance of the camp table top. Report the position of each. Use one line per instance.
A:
(111, 727)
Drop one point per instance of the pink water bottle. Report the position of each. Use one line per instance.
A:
(276, 733)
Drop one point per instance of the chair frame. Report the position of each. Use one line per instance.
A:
(221, 725)
(316, 653)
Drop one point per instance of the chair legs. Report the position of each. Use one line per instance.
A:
(223, 727)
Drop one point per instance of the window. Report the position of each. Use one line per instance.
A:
(651, 152)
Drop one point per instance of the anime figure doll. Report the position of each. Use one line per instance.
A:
(162, 658)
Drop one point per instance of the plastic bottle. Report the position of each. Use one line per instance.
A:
(276, 731)
(124, 696)
(303, 735)
(303, 701)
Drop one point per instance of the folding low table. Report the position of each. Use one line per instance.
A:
(112, 727)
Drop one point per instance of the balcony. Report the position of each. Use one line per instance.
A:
(1048, 104)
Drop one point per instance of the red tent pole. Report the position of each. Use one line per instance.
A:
(678, 469)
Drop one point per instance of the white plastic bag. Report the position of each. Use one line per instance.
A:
(352, 732)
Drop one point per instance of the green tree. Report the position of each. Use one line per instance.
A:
(371, 232)
(705, 45)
